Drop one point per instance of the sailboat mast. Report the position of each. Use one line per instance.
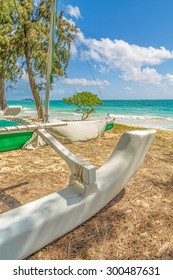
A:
(49, 77)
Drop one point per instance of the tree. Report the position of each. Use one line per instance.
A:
(85, 102)
(32, 33)
(9, 69)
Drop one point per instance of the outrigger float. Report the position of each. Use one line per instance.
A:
(30, 227)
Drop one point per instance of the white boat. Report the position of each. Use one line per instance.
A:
(76, 131)
(30, 227)
(11, 111)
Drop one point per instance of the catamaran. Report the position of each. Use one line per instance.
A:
(30, 227)
(73, 131)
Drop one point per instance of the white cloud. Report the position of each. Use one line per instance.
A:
(136, 63)
(85, 82)
(73, 50)
(169, 78)
(73, 11)
(129, 89)
(25, 76)
(56, 92)
(145, 75)
(103, 69)
(121, 54)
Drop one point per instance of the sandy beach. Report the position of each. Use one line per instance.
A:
(138, 224)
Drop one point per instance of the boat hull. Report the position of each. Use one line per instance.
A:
(12, 141)
(28, 228)
(79, 131)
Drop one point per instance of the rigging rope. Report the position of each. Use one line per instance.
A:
(92, 73)
(89, 66)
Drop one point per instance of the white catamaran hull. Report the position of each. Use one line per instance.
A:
(28, 228)
(79, 131)
(74, 131)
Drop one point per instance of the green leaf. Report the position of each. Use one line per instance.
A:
(85, 102)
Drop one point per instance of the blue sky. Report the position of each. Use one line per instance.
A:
(128, 45)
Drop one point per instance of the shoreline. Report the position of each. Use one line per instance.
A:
(150, 113)
(138, 223)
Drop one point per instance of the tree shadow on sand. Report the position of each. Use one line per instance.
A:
(8, 199)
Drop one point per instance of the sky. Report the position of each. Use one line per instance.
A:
(124, 50)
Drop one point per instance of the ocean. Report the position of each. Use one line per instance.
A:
(145, 113)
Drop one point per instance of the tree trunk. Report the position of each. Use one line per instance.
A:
(86, 115)
(31, 78)
(3, 103)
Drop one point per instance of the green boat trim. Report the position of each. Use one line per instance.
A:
(109, 126)
(13, 141)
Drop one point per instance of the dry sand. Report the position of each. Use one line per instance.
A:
(138, 224)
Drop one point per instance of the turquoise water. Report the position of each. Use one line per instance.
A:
(146, 113)
(7, 123)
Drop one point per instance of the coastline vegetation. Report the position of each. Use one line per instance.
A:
(24, 37)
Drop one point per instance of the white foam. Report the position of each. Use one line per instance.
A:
(148, 121)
